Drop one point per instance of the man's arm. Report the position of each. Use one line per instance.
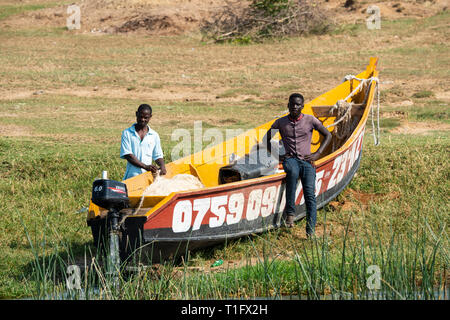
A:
(162, 165)
(267, 137)
(158, 155)
(327, 139)
(131, 158)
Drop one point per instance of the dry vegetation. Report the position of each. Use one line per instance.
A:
(266, 19)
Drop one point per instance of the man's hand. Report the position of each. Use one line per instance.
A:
(154, 169)
(312, 157)
(162, 166)
(327, 139)
(151, 167)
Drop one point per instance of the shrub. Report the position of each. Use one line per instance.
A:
(266, 19)
(423, 94)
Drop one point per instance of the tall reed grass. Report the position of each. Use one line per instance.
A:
(411, 266)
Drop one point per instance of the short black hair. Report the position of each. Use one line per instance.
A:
(143, 107)
(296, 95)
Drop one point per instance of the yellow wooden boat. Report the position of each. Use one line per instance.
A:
(232, 203)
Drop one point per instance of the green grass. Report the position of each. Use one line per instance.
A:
(389, 123)
(50, 186)
(434, 110)
(423, 94)
(10, 10)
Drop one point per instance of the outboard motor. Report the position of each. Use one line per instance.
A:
(113, 196)
(110, 194)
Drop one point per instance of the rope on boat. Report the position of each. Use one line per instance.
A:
(363, 82)
(141, 201)
(339, 103)
(376, 137)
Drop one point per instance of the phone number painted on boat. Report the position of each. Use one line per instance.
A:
(256, 201)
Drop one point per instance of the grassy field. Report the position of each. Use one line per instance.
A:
(66, 97)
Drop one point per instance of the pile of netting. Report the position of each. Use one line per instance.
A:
(163, 186)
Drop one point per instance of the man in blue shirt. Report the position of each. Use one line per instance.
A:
(141, 145)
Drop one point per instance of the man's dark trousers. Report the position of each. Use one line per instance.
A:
(295, 169)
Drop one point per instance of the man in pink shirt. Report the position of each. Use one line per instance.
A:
(296, 132)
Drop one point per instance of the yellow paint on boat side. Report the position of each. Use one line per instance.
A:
(206, 164)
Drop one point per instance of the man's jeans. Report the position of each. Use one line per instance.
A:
(295, 169)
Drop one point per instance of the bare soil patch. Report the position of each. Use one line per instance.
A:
(159, 17)
(154, 95)
(16, 131)
(354, 199)
(445, 96)
(11, 130)
(356, 11)
(155, 17)
(420, 127)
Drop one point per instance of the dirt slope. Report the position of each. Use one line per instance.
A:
(169, 17)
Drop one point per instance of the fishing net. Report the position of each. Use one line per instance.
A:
(163, 186)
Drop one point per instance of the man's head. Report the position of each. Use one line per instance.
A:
(143, 115)
(295, 105)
